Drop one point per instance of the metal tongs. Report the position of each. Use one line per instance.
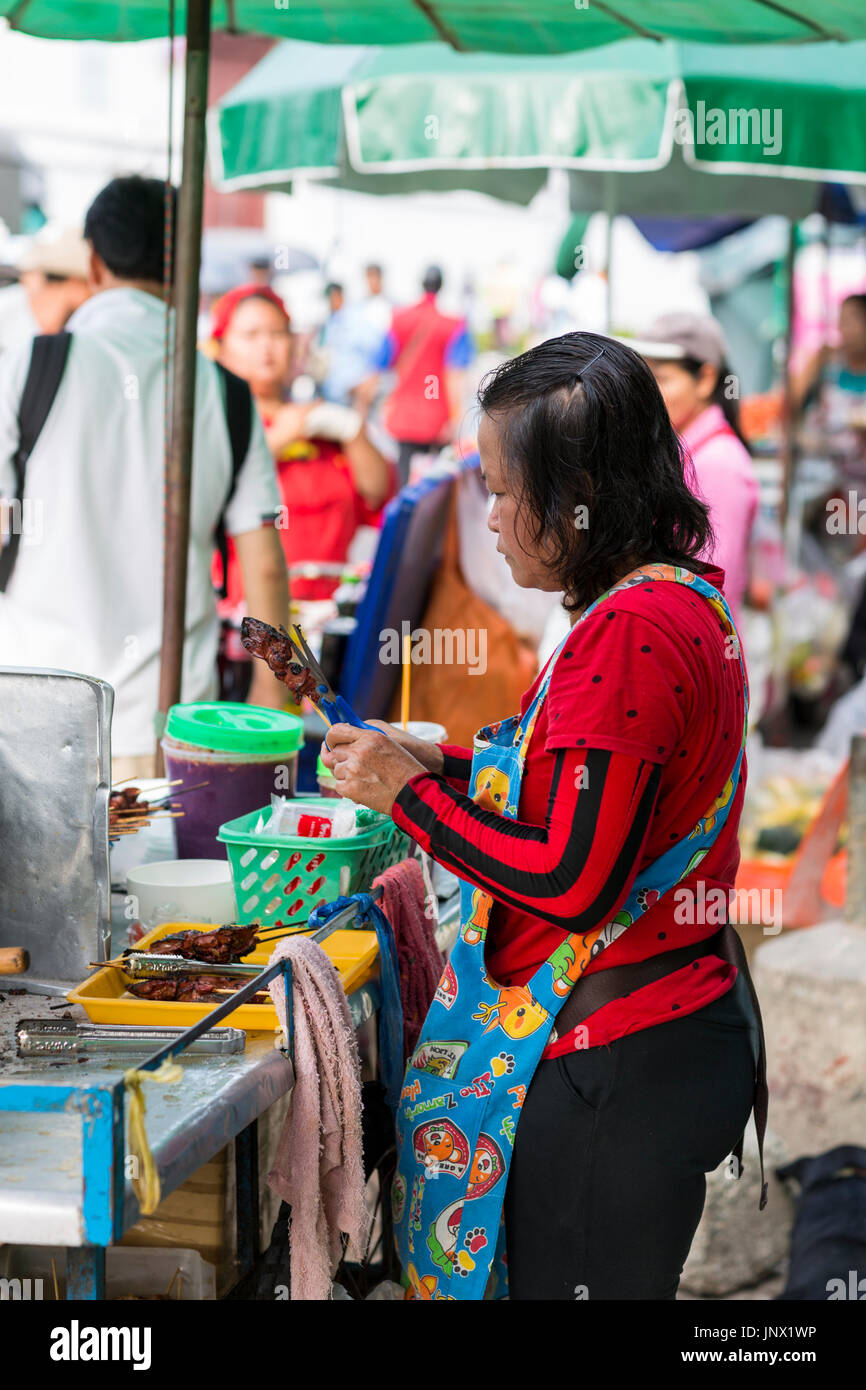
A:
(152, 964)
(335, 709)
(61, 1038)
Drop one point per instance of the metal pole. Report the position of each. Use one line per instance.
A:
(788, 421)
(178, 471)
(610, 198)
(855, 891)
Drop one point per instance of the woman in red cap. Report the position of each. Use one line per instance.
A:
(332, 478)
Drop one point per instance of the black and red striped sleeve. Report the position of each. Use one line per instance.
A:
(456, 766)
(577, 868)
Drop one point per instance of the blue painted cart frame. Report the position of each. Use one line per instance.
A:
(103, 1122)
(103, 1119)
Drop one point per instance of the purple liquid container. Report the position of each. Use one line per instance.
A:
(234, 757)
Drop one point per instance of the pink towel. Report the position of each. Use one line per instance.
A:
(420, 961)
(319, 1167)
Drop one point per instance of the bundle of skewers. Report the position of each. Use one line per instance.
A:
(127, 813)
(196, 966)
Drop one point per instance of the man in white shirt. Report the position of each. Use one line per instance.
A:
(85, 593)
(377, 308)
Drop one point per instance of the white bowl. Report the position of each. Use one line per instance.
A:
(183, 890)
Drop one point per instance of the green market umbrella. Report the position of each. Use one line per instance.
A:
(516, 26)
(657, 122)
(512, 26)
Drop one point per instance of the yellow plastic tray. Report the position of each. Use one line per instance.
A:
(105, 999)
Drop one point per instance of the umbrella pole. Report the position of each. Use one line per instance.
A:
(178, 467)
(788, 412)
(610, 214)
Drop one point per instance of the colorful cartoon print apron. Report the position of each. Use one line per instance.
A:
(480, 1044)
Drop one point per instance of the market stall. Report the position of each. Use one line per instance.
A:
(103, 991)
(66, 1174)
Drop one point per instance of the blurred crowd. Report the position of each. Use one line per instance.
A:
(291, 476)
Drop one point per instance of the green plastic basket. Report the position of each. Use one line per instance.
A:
(280, 879)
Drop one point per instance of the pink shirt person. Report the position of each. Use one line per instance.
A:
(725, 479)
(688, 357)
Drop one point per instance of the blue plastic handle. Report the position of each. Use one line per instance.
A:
(340, 712)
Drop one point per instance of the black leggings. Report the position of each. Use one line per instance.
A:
(607, 1183)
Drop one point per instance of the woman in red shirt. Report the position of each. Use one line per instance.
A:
(648, 1076)
(332, 478)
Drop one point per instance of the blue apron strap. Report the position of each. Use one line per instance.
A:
(391, 1006)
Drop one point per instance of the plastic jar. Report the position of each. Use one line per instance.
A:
(240, 753)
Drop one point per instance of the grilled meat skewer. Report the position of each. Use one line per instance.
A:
(273, 646)
(188, 989)
(218, 947)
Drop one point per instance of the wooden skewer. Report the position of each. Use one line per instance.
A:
(323, 717)
(276, 932)
(196, 786)
(257, 998)
(407, 676)
(131, 781)
(132, 828)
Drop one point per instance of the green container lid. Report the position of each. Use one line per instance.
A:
(322, 771)
(227, 726)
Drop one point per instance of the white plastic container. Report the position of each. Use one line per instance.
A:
(423, 729)
(183, 890)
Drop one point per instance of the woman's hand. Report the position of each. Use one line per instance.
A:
(429, 755)
(287, 425)
(369, 768)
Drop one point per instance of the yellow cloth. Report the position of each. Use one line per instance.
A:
(145, 1177)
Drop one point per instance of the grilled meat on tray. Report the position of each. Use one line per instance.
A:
(221, 946)
(188, 989)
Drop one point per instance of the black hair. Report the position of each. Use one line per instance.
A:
(333, 285)
(432, 282)
(125, 224)
(729, 405)
(583, 424)
(858, 299)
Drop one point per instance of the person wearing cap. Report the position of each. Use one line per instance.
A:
(86, 591)
(332, 478)
(425, 348)
(54, 271)
(688, 358)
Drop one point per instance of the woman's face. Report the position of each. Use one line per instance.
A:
(256, 346)
(852, 330)
(507, 521)
(684, 395)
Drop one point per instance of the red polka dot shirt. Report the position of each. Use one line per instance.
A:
(638, 735)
